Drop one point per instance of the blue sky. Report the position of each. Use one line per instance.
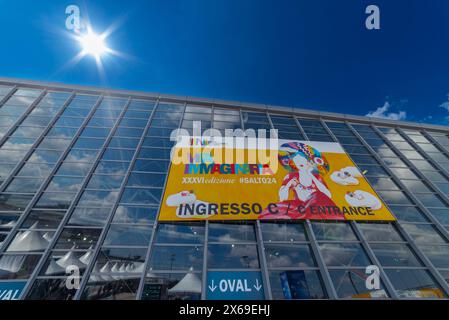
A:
(307, 54)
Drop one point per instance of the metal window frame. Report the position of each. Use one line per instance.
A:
(78, 194)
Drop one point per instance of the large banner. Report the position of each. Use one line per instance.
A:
(297, 180)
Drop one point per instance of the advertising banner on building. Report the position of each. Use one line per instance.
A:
(285, 180)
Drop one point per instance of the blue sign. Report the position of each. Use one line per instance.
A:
(11, 290)
(234, 285)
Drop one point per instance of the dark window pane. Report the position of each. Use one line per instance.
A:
(296, 284)
(17, 266)
(164, 286)
(78, 238)
(121, 289)
(51, 289)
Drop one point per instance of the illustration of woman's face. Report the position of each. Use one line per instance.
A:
(300, 162)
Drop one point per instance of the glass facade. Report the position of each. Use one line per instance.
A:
(82, 174)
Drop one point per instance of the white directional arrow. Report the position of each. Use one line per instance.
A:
(257, 286)
(212, 286)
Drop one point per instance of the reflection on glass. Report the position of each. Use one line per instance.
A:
(30, 240)
(192, 233)
(414, 284)
(344, 254)
(282, 231)
(135, 214)
(351, 284)
(172, 286)
(333, 231)
(59, 261)
(231, 232)
(233, 256)
(176, 258)
(395, 255)
(77, 238)
(17, 266)
(379, 232)
(296, 284)
(123, 289)
(284, 256)
(51, 289)
(128, 235)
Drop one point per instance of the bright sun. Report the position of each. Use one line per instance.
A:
(93, 44)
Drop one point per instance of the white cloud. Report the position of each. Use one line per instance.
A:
(382, 112)
(445, 104)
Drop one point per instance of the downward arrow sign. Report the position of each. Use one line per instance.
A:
(212, 286)
(257, 286)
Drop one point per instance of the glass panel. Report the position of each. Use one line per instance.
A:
(89, 216)
(232, 256)
(424, 233)
(351, 284)
(124, 235)
(225, 232)
(134, 214)
(395, 255)
(438, 255)
(379, 232)
(78, 238)
(176, 258)
(192, 233)
(286, 256)
(120, 260)
(414, 284)
(17, 266)
(280, 231)
(120, 289)
(51, 289)
(333, 231)
(296, 284)
(163, 286)
(344, 254)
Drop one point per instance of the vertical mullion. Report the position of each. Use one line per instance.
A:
(325, 275)
(301, 129)
(108, 221)
(8, 95)
(205, 262)
(386, 281)
(23, 117)
(259, 238)
(263, 262)
(36, 143)
(437, 276)
(75, 200)
(151, 244)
